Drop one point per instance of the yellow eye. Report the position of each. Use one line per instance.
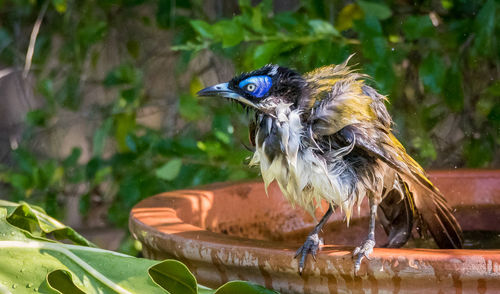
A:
(250, 87)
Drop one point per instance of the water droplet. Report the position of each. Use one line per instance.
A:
(29, 285)
(12, 233)
(22, 270)
(14, 286)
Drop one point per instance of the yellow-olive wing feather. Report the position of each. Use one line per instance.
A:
(341, 103)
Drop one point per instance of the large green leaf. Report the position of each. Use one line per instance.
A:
(30, 262)
(34, 220)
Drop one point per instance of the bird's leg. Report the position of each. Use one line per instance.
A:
(366, 248)
(312, 243)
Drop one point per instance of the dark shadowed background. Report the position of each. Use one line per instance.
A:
(98, 109)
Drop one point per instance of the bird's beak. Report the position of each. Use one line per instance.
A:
(222, 90)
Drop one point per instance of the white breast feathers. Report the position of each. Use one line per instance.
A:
(303, 177)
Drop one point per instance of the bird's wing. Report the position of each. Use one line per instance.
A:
(345, 105)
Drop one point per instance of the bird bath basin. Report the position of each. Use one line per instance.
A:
(233, 231)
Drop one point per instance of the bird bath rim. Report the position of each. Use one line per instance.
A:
(174, 224)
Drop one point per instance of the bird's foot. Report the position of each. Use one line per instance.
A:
(311, 246)
(362, 251)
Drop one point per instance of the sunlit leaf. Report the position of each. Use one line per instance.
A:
(321, 27)
(231, 33)
(203, 28)
(169, 170)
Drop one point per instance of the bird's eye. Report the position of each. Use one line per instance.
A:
(256, 86)
(250, 87)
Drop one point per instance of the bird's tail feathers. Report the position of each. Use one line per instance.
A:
(436, 214)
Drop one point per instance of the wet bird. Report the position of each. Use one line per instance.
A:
(327, 135)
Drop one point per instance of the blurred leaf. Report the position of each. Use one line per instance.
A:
(203, 28)
(124, 124)
(133, 48)
(91, 32)
(377, 9)
(164, 13)
(169, 170)
(123, 74)
(195, 86)
(101, 175)
(494, 116)
(347, 16)
(37, 117)
(20, 181)
(60, 5)
(46, 88)
(223, 137)
(416, 27)
(190, 108)
(72, 159)
(231, 33)
(432, 73)
(452, 89)
(494, 89)
(100, 136)
(5, 39)
(321, 27)
(238, 175)
(264, 53)
(485, 26)
(425, 147)
(479, 152)
(69, 93)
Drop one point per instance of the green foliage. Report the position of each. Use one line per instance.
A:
(31, 261)
(449, 49)
(433, 62)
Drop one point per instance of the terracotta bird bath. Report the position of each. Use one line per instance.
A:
(233, 231)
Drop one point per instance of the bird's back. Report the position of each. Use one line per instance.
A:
(343, 108)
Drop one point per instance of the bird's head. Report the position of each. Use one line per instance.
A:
(262, 89)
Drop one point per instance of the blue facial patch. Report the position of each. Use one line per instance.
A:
(257, 86)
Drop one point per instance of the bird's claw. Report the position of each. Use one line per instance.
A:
(362, 251)
(311, 246)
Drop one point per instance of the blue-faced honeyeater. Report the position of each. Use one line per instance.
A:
(327, 135)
